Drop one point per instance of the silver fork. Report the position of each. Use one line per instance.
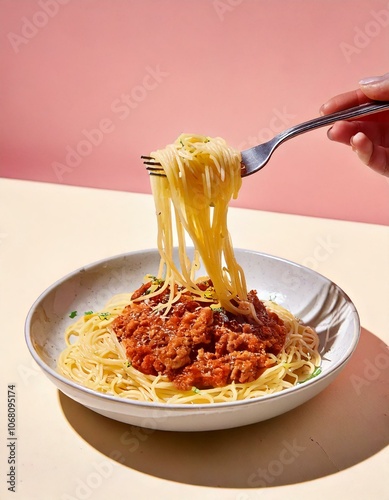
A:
(255, 158)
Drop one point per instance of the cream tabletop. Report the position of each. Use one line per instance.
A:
(334, 445)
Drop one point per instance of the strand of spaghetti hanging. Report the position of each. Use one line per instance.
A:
(200, 175)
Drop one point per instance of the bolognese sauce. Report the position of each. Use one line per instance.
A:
(196, 345)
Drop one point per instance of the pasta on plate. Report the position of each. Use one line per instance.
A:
(184, 338)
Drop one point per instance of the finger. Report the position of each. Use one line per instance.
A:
(343, 131)
(375, 157)
(377, 132)
(376, 87)
(344, 101)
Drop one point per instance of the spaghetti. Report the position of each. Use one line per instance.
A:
(202, 176)
(180, 338)
(95, 359)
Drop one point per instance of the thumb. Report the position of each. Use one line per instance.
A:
(376, 87)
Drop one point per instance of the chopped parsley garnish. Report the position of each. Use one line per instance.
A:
(128, 364)
(73, 314)
(104, 315)
(154, 284)
(314, 374)
(197, 391)
(156, 281)
(87, 313)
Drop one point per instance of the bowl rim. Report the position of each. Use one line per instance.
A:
(303, 386)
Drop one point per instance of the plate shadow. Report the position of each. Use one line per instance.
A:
(345, 424)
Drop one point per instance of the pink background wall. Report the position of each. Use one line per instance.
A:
(114, 79)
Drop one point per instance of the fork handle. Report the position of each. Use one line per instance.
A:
(347, 114)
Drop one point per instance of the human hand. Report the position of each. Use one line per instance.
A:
(368, 136)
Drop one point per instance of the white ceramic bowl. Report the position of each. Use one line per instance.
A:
(307, 294)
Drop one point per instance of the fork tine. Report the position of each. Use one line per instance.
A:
(153, 166)
(149, 160)
(156, 174)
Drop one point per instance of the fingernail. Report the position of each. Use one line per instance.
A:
(322, 110)
(373, 80)
(358, 136)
